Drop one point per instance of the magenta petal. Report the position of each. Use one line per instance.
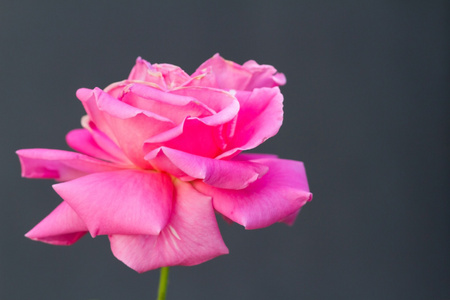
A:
(58, 164)
(228, 174)
(191, 237)
(260, 118)
(291, 218)
(120, 202)
(82, 141)
(191, 136)
(276, 197)
(60, 227)
(203, 135)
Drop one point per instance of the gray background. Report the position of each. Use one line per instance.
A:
(366, 109)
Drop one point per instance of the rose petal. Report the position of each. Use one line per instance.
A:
(224, 104)
(83, 141)
(277, 195)
(173, 76)
(260, 117)
(191, 136)
(104, 142)
(61, 227)
(227, 174)
(143, 71)
(121, 202)
(164, 76)
(169, 105)
(59, 165)
(191, 237)
(291, 218)
(127, 126)
(263, 76)
(205, 136)
(219, 73)
(89, 100)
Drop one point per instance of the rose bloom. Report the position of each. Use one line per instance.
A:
(160, 152)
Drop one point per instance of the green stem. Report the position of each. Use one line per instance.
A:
(163, 282)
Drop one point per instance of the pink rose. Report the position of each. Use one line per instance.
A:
(160, 152)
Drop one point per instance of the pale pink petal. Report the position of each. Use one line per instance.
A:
(59, 165)
(191, 237)
(141, 70)
(127, 126)
(273, 198)
(117, 89)
(260, 118)
(89, 100)
(220, 73)
(228, 174)
(173, 76)
(164, 76)
(121, 202)
(263, 76)
(60, 227)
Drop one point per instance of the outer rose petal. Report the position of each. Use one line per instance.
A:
(60, 165)
(260, 118)
(191, 237)
(291, 218)
(226, 174)
(60, 227)
(277, 195)
(121, 202)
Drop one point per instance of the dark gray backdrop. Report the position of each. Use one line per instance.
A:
(366, 109)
